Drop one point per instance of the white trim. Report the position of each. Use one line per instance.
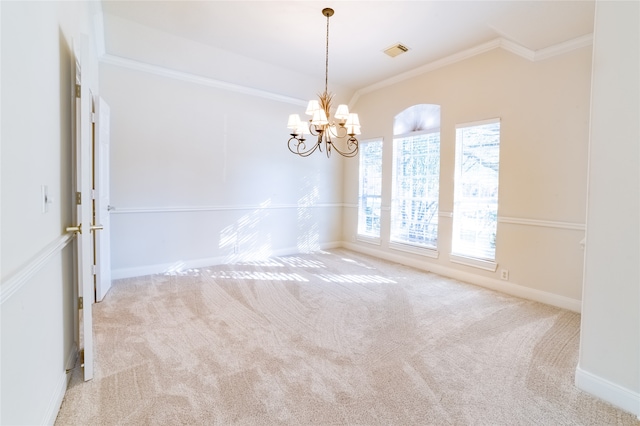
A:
(55, 402)
(487, 265)
(182, 266)
(353, 205)
(440, 63)
(507, 287)
(478, 123)
(369, 140)
(416, 133)
(543, 223)
(623, 398)
(408, 248)
(183, 209)
(499, 42)
(14, 282)
(369, 240)
(565, 47)
(517, 49)
(196, 79)
(98, 25)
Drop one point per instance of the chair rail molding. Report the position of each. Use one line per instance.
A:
(23, 274)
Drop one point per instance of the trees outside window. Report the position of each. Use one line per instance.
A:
(416, 176)
(475, 209)
(370, 189)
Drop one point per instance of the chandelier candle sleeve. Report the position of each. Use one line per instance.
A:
(344, 125)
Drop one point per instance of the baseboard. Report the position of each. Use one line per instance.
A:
(610, 392)
(185, 265)
(51, 414)
(490, 283)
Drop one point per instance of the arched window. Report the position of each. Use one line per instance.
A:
(416, 177)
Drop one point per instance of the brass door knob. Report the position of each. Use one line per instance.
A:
(96, 227)
(75, 229)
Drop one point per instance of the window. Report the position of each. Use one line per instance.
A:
(416, 177)
(475, 207)
(370, 191)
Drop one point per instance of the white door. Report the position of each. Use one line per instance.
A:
(101, 173)
(83, 211)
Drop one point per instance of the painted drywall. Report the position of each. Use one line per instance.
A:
(156, 47)
(201, 175)
(37, 287)
(609, 363)
(544, 110)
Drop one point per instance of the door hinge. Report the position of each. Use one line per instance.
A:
(94, 269)
(78, 90)
(93, 117)
(78, 197)
(80, 303)
(93, 194)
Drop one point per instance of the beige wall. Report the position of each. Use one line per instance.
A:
(609, 363)
(544, 111)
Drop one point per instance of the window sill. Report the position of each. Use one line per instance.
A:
(487, 265)
(422, 251)
(368, 240)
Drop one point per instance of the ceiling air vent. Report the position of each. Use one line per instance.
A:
(396, 49)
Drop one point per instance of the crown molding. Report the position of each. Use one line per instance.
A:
(565, 47)
(500, 42)
(432, 66)
(517, 49)
(196, 79)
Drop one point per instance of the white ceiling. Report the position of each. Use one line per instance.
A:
(291, 34)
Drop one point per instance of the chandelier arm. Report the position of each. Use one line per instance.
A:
(300, 147)
(313, 131)
(352, 148)
(337, 133)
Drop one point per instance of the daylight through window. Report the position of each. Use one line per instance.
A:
(475, 208)
(416, 177)
(370, 189)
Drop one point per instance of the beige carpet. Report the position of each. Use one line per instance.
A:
(332, 338)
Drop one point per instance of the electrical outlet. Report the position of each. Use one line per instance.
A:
(504, 274)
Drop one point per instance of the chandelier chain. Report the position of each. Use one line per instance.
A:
(345, 125)
(326, 64)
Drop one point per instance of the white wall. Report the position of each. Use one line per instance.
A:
(544, 111)
(37, 291)
(202, 175)
(609, 363)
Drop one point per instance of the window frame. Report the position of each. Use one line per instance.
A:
(371, 239)
(460, 257)
(409, 246)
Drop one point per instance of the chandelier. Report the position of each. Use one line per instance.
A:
(345, 124)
